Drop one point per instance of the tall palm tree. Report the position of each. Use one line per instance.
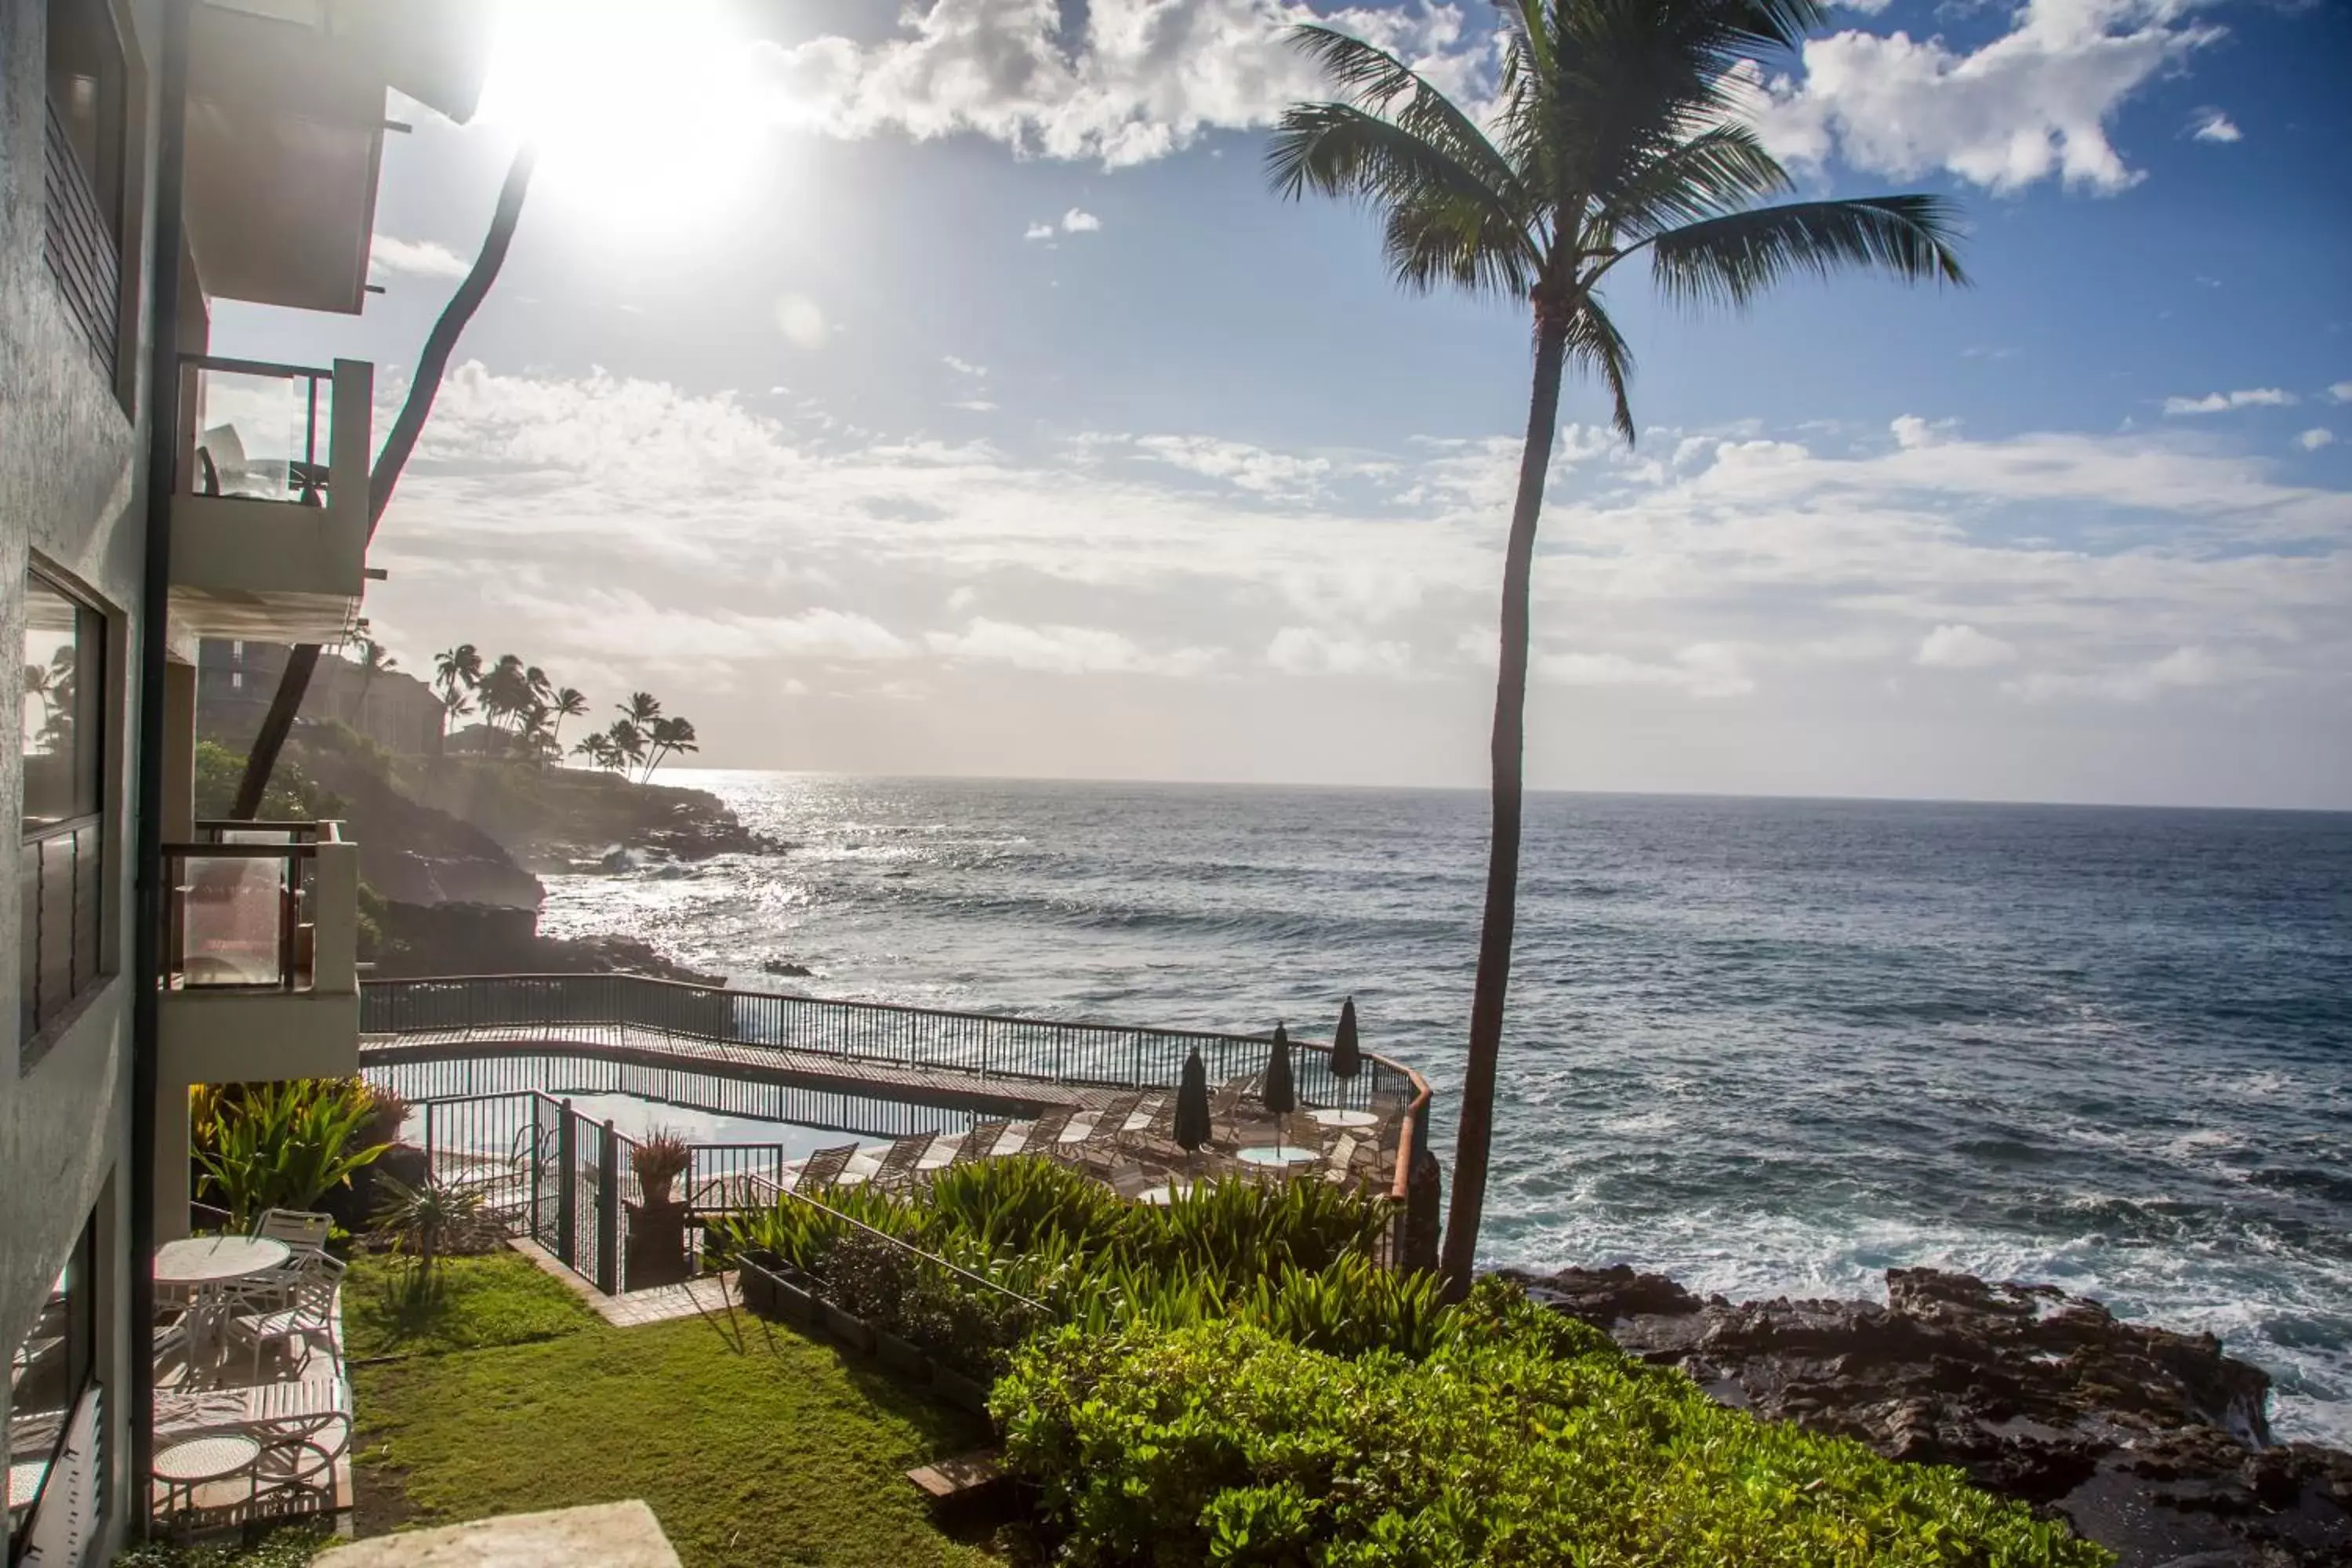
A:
(423, 387)
(458, 668)
(1615, 138)
(567, 703)
(629, 742)
(455, 706)
(641, 709)
(669, 736)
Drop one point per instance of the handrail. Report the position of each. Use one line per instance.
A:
(257, 367)
(62, 827)
(903, 1245)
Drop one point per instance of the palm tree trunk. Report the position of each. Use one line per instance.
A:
(423, 388)
(1477, 1115)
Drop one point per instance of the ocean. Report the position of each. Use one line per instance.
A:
(1765, 1045)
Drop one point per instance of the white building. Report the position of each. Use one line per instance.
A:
(156, 155)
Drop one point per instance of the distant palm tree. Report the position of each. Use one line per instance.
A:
(1615, 133)
(458, 668)
(669, 736)
(567, 703)
(598, 749)
(629, 743)
(453, 706)
(641, 709)
(374, 659)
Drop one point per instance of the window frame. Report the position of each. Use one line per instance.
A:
(80, 1279)
(86, 834)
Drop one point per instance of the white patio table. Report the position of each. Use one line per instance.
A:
(203, 1267)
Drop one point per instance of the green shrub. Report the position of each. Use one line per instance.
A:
(282, 1549)
(281, 1145)
(1519, 1440)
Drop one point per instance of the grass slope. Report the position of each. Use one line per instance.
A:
(502, 1299)
(752, 1445)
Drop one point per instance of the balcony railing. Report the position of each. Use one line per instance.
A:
(256, 431)
(247, 905)
(60, 953)
(80, 244)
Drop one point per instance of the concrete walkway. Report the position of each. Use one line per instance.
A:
(604, 1535)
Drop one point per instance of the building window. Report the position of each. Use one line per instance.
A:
(62, 866)
(57, 1484)
(82, 168)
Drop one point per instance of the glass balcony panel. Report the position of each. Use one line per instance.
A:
(262, 434)
(233, 921)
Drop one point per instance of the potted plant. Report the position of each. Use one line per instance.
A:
(657, 1246)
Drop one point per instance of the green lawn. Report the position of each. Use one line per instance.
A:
(752, 1445)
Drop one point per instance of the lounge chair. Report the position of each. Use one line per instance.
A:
(1342, 1158)
(823, 1168)
(1044, 1135)
(305, 1320)
(1226, 1102)
(1098, 1150)
(979, 1143)
(899, 1164)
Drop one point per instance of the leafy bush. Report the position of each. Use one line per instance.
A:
(290, 797)
(280, 1145)
(1520, 1439)
(282, 1549)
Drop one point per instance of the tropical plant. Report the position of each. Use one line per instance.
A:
(659, 1159)
(628, 742)
(641, 709)
(427, 1222)
(458, 668)
(1616, 135)
(453, 706)
(424, 389)
(283, 1145)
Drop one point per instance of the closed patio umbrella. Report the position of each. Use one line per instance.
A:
(1192, 1127)
(1347, 1054)
(1277, 1093)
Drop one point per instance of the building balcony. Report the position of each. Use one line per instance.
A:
(270, 503)
(261, 946)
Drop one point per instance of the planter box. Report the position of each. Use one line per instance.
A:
(850, 1330)
(655, 1251)
(779, 1293)
(905, 1360)
(959, 1389)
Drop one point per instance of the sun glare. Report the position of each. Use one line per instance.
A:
(647, 111)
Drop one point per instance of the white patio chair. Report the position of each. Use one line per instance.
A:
(306, 1319)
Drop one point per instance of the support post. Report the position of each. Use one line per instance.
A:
(608, 1215)
(567, 1193)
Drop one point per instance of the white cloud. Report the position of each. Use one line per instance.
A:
(2031, 105)
(963, 366)
(974, 404)
(1238, 463)
(416, 258)
(2212, 125)
(1701, 670)
(802, 320)
(1958, 645)
(2218, 402)
(1064, 650)
(2185, 666)
(1077, 222)
(1303, 650)
(2312, 441)
(1038, 231)
(1138, 80)
(2340, 393)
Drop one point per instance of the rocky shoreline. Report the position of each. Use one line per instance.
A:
(2155, 1444)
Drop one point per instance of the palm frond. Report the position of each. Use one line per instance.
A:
(1594, 344)
(1721, 170)
(1432, 242)
(1729, 260)
(1343, 150)
(1374, 79)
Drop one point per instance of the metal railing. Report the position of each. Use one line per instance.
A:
(233, 915)
(61, 873)
(80, 244)
(531, 1013)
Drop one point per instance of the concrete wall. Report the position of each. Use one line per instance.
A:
(72, 469)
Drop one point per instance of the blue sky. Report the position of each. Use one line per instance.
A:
(941, 391)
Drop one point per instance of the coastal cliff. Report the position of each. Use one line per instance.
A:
(2154, 1443)
(450, 849)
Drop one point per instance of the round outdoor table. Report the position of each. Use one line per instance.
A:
(202, 1261)
(1335, 1117)
(1288, 1154)
(200, 1461)
(1165, 1193)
